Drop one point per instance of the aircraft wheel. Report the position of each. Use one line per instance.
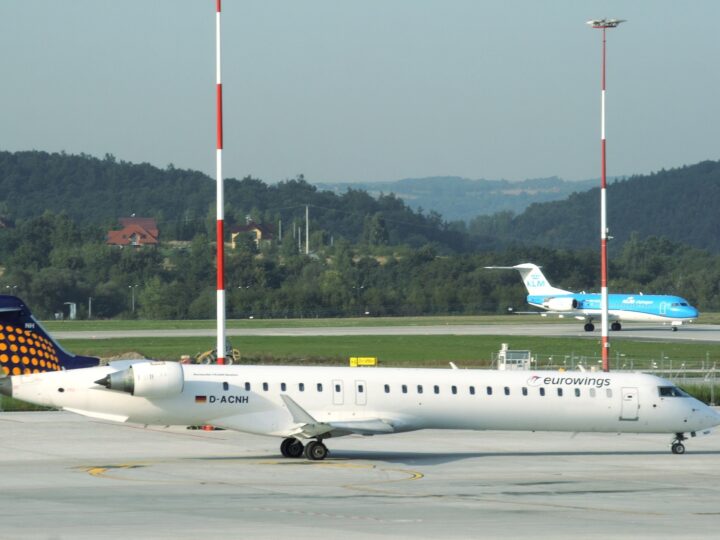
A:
(315, 451)
(678, 448)
(616, 327)
(674, 328)
(291, 448)
(589, 327)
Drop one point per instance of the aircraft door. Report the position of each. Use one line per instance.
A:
(663, 308)
(338, 397)
(630, 404)
(360, 393)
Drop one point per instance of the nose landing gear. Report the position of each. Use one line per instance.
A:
(677, 447)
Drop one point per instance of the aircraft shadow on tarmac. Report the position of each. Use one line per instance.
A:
(431, 458)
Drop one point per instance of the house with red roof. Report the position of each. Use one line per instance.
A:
(136, 231)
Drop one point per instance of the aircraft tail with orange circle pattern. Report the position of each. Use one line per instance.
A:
(25, 346)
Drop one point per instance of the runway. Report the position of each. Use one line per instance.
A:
(66, 477)
(689, 333)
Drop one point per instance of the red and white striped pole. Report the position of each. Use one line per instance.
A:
(603, 24)
(220, 201)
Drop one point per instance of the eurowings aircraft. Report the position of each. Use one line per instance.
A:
(305, 406)
(652, 308)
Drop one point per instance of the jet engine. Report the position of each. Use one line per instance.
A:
(560, 304)
(147, 379)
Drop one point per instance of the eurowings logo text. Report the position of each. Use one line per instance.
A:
(598, 382)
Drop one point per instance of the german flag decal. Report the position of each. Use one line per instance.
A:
(200, 399)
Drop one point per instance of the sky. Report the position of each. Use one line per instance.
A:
(364, 90)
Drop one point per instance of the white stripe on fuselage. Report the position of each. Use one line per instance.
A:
(619, 315)
(589, 401)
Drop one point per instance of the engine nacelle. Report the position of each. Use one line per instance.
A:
(561, 304)
(147, 379)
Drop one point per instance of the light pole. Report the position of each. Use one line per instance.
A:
(132, 296)
(603, 24)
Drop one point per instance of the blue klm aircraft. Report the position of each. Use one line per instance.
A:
(655, 308)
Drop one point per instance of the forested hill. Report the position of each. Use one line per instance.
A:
(678, 204)
(98, 191)
(463, 199)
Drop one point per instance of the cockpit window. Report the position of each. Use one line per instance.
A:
(671, 391)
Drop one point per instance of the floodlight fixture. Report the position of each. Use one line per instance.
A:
(605, 23)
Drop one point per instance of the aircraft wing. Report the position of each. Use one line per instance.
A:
(309, 427)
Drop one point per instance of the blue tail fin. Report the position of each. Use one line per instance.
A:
(25, 347)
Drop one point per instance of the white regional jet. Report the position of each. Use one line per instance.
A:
(313, 404)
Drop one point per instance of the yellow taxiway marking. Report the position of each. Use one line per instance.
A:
(101, 471)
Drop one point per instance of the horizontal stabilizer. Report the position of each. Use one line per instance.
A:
(535, 281)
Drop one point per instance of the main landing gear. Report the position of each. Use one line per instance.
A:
(313, 450)
(615, 327)
(677, 447)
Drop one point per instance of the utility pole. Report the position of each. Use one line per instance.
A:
(307, 230)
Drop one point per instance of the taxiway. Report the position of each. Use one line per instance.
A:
(65, 476)
(688, 333)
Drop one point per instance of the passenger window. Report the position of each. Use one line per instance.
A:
(577, 392)
(387, 388)
(559, 392)
(283, 386)
(453, 389)
(592, 392)
(404, 388)
(301, 387)
(247, 386)
(419, 388)
(524, 391)
(226, 386)
(360, 388)
(608, 392)
(472, 390)
(337, 387)
(489, 390)
(507, 391)
(265, 386)
(319, 387)
(542, 391)
(436, 389)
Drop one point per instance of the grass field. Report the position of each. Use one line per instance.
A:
(413, 350)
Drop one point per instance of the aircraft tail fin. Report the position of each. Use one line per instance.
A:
(25, 346)
(535, 281)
